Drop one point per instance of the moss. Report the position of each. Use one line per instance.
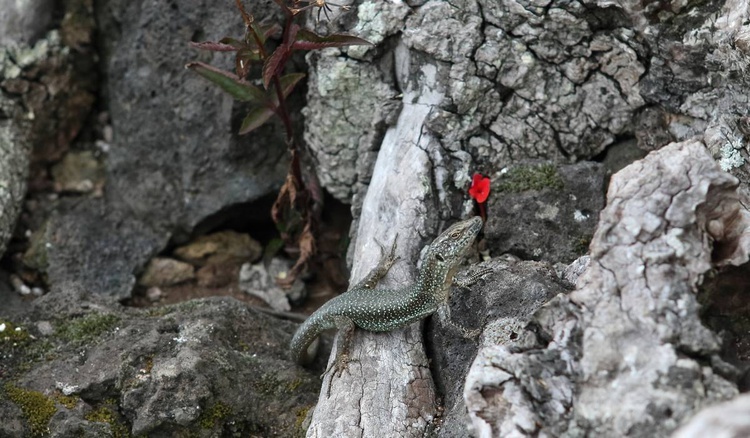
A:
(581, 245)
(299, 422)
(214, 416)
(523, 178)
(12, 334)
(69, 401)
(294, 384)
(106, 414)
(36, 407)
(87, 328)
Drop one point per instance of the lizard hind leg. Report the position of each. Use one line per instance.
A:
(341, 363)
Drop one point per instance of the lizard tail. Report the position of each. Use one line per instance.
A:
(304, 345)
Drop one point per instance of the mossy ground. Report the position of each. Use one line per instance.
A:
(106, 414)
(86, 328)
(36, 407)
(214, 416)
(523, 178)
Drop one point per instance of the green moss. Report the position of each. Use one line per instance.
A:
(299, 422)
(12, 335)
(69, 401)
(106, 414)
(581, 245)
(37, 408)
(294, 384)
(214, 416)
(271, 384)
(87, 328)
(523, 178)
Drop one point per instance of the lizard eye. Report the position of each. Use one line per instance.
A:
(440, 257)
(455, 234)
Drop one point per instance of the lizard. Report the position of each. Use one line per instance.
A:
(380, 310)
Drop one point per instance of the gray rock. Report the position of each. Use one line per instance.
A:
(261, 281)
(96, 247)
(501, 304)
(175, 157)
(23, 22)
(544, 212)
(725, 420)
(15, 146)
(626, 353)
(211, 366)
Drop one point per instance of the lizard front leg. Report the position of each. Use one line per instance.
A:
(382, 268)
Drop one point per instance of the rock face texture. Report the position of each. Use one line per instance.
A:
(548, 98)
(626, 353)
(174, 158)
(211, 367)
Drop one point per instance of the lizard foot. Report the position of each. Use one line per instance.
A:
(338, 367)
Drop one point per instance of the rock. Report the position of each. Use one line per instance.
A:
(176, 157)
(262, 282)
(79, 171)
(218, 274)
(96, 247)
(557, 205)
(204, 366)
(162, 271)
(501, 304)
(730, 419)
(23, 22)
(219, 248)
(15, 146)
(626, 353)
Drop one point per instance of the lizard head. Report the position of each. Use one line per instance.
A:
(449, 248)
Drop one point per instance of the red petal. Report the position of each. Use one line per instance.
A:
(480, 188)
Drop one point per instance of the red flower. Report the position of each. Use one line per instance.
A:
(480, 188)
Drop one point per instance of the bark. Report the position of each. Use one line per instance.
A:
(389, 388)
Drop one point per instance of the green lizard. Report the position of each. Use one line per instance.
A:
(380, 310)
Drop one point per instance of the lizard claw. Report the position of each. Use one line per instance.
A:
(338, 367)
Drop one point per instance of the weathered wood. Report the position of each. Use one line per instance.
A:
(388, 390)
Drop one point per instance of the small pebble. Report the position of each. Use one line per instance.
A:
(154, 294)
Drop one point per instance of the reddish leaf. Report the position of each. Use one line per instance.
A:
(214, 47)
(265, 31)
(275, 63)
(288, 82)
(244, 60)
(255, 119)
(238, 88)
(237, 44)
(306, 40)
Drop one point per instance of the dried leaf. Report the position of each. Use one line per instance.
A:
(307, 40)
(232, 84)
(214, 47)
(286, 197)
(307, 249)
